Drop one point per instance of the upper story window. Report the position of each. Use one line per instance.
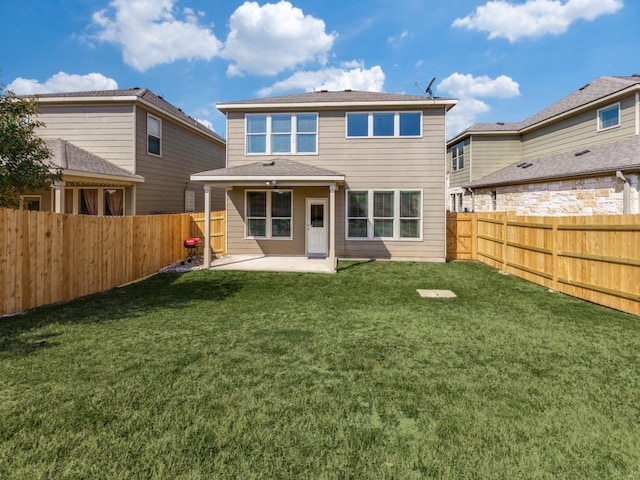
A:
(272, 134)
(457, 157)
(154, 135)
(609, 117)
(384, 124)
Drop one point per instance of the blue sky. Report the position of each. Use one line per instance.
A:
(503, 59)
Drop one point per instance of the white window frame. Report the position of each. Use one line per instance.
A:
(152, 134)
(269, 218)
(37, 198)
(604, 109)
(457, 153)
(269, 134)
(370, 124)
(396, 214)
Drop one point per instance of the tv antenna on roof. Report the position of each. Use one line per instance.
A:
(427, 90)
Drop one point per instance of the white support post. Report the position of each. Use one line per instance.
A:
(207, 225)
(332, 225)
(58, 197)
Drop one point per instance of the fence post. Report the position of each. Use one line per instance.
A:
(554, 253)
(505, 223)
(474, 236)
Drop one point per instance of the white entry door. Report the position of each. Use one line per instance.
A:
(317, 231)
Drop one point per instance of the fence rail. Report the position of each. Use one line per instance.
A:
(596, 258)
(47, 258)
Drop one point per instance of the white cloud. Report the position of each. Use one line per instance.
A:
(466, 88)
(206, 123)
(464, 114)
(150, 34)
(396, 40)
(63, 82)
(534, 18)
(275, 37)
(371, 79)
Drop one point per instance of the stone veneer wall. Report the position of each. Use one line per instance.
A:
(585, 196)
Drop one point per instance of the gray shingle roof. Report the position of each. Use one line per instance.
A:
(142, 93)
(344, 96)
(621, 155)
(68, 156)
(601, 87)
(279, 167)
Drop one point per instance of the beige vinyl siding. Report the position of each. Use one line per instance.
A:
(183, 153)
(463, 176)
(371, 163)
(577, 132)
(491, 154)
(104, 130)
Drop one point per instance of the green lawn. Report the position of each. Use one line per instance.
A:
(244, 375)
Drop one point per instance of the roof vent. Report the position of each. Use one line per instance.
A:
(581, 152)
(584, 86)
(500, 123)
(324, 91)
(348, 90)
(524, 165)
(636, 75)
(269, 163)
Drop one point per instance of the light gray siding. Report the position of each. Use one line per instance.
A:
(104, 130)
(371, 163)
(579, 131)
(183, 153)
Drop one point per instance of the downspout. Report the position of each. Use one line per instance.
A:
(626, 194)
(473, 200)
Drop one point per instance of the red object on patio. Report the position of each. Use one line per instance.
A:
(192, 245)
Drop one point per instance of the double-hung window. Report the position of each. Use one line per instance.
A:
(384, 124)
(268, 214)
(388, 214)
(609, 117)
(154, 135)
(457, 157)
(282, 133)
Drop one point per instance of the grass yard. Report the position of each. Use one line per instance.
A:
(244, 375)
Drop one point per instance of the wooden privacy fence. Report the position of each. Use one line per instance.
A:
(48, 258)
(596, 258)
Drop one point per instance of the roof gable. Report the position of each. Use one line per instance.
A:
(141, 94)
(599, 89)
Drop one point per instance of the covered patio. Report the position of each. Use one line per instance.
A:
(309, 235)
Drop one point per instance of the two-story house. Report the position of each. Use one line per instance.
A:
(124, 152)
(347, 174)
(580, 155)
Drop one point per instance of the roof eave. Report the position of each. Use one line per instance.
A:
(102, 176)
(262, 178)
(226, 107)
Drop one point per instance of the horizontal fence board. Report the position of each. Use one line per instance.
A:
(49, 258)
(596, 258)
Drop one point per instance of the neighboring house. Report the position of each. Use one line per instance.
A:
(579, 156)
(124, 152)
(335, 174)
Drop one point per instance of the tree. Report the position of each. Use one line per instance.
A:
(24, 165)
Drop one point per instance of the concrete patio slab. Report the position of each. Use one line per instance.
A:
(273, 264)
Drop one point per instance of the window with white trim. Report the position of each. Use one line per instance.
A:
(30, 202)
(457, 157)
(268, 214)
(282, 133)
(388, 214)
(154, 135)
(609, 117)
(383, 124)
